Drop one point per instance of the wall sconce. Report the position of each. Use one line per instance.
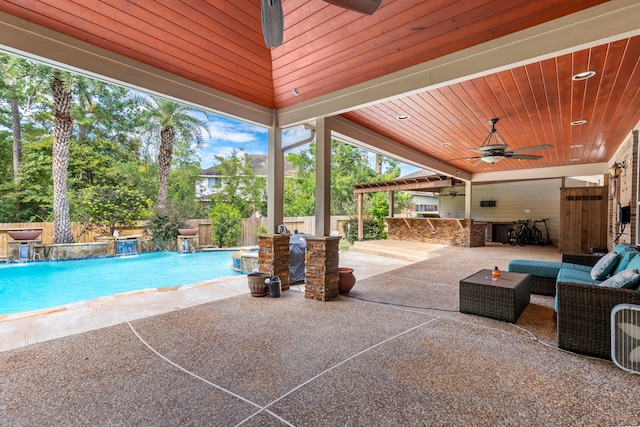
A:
(617, 168)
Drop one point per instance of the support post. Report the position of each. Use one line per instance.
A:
(467, 199)
(323, 178)
(391, 202)
(360, 219)
(275, 177)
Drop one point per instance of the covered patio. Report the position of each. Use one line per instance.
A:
(415, 83)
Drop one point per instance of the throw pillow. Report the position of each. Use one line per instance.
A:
(604, 266)
(627, 279)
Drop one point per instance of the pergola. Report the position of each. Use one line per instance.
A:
(409, 183)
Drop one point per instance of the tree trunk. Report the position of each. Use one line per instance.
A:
(164, 166)
(17, 136)
(378, 169)
(62, 123)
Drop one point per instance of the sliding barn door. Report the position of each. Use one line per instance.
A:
(583, 219)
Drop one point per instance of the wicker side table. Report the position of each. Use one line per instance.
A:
(502, 299)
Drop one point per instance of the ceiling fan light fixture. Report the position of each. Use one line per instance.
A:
(492, 159)
(362, 6)
(583, 76)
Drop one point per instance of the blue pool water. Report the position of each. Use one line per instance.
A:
(36, 285)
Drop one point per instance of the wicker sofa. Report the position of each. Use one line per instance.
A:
(584, 316)
(544, 274)
(584, 309)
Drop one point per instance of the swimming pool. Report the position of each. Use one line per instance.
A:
(37, 285)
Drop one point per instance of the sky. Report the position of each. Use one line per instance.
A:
(226, 135)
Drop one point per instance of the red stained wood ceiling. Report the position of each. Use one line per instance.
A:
(219, 44)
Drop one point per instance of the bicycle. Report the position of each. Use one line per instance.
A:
(524, 235)
(516, 235)
(546, 241)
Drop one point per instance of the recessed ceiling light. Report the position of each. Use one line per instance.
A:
(584, 75)
(576, 146)
(295, 92)
(578, 122)
(445, 144)
(574, 160)
(402, 117)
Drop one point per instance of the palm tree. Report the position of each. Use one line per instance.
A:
(62, 127)
(170, 121)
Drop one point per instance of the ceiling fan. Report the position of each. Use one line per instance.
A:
(494, 149)
(273, 17)
(451, 192)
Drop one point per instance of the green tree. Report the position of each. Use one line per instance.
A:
(113, 206)
(241, 188)
(226, 224)
(182, 183)
(169, 121)
(299, 191)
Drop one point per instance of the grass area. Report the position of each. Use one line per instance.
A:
(344, 245)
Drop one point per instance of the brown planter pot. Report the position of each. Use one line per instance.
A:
(346, 279)
(257, 285)
(24, 235)
(188, 231)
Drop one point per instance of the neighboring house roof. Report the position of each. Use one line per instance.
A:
(417, 174)
(259, 165)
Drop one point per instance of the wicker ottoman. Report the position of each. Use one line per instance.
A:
(502, 299)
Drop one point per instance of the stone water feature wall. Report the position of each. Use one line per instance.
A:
(74, 251)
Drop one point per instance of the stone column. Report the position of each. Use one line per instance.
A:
(321, 268)
(273, 256)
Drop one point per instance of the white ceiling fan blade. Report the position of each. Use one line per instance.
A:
(272, 22)
(523, 156)
(363, 6)
(532, 148)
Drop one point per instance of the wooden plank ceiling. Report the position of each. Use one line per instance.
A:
(219, 44)
(536, 104)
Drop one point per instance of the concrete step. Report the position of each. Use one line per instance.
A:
(408, 251)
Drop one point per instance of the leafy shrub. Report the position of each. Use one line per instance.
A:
(226, 225)
(164, 229)
(373, 229)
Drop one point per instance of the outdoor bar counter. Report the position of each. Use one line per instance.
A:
(445, 231)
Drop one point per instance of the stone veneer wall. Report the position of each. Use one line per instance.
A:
(321, 268)
(74, 251)
(273, 256)
(453, 232)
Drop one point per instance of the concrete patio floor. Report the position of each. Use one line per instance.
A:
(409, 359)
(22, 329)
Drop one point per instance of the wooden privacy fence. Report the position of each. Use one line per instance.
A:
(251, 227)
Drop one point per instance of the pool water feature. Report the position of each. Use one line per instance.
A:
(126, 247)
(38, 285)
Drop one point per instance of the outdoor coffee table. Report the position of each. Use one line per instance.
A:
(502, 299)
